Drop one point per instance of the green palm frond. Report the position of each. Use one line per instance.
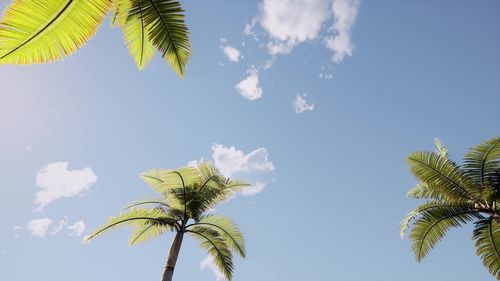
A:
(148, 230)
(42, 31)
(487, 236)
(482, 163)
(227, 229)
(425, 191)
(415, 213)
(216, 247)
(133, 218)
(433, 224)
(135, 32)
(444, 175)
(167, 30)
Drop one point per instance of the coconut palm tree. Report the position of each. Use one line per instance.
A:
(456, 195)
(187, 196)
(43, 31)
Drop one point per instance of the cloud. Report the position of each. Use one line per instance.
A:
(208, 262)
(77, 228)
(57, 181)
(253, 167)
(249, 87)
(39, 227)
(290, 22)
(63, 222)
(300, 104)
(231, 53)
(345, 13)
(17, 229)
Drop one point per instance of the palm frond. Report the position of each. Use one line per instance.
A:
(167, 30)
(227, 229)
(42, 31)
(444, 175)
(482, 163)
(148, 230)
(415, 213)
(425, 191)
(146, 202)
(133, 218)
(216, 247)
(135, 32)
(487, 236)
(433, 224)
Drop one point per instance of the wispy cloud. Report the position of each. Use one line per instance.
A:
(249, 87)
(208, 262)
(300, 104)
(57, 181)
(77, 228)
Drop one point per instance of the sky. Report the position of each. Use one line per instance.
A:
(316, 103)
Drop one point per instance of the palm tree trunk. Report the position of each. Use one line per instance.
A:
(168, 272)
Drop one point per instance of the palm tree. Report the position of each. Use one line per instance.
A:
(188, 195)
(42, 31)
(456, 195)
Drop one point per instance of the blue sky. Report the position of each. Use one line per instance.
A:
(385, 78)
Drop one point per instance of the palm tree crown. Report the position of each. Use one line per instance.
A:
(457, 194)
(187, 194)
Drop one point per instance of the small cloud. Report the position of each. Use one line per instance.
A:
(57, 181)
(253, 167)
(28, 148)
(231, 53)
(300, 104)
(77, 228)
(326, 76)
(345, 13)
(208, 262)
(17, 229)
(39, 227)
(249, 88)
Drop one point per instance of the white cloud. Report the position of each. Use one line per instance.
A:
(63, 222)
(208, 262)
(28, 148)
(345, 13)
(253, 167)
(57, 181)
(326, 76)
(39, 227)
(231, 53)
(17, 229)
(77, 228)
(290, 22)
(300, 104)
(249, 88)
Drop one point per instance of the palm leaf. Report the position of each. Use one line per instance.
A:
(133, 218)
(216, 247)
(415, 213)
(425, 191)
(444, 175)
(42, 31)
(167, 30)
(442, 150)
(148, 230)
(487, 236)
(433, 224)
(146, 202)
(482, 163)
(227, 230)
(135, 32)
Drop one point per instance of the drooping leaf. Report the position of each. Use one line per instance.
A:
(42, 31)
(415, 213)
(167, 31)
(425, 191)
(148, 230)
(227, 230)
(433, 224)
(216, 247)
(487, 236)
